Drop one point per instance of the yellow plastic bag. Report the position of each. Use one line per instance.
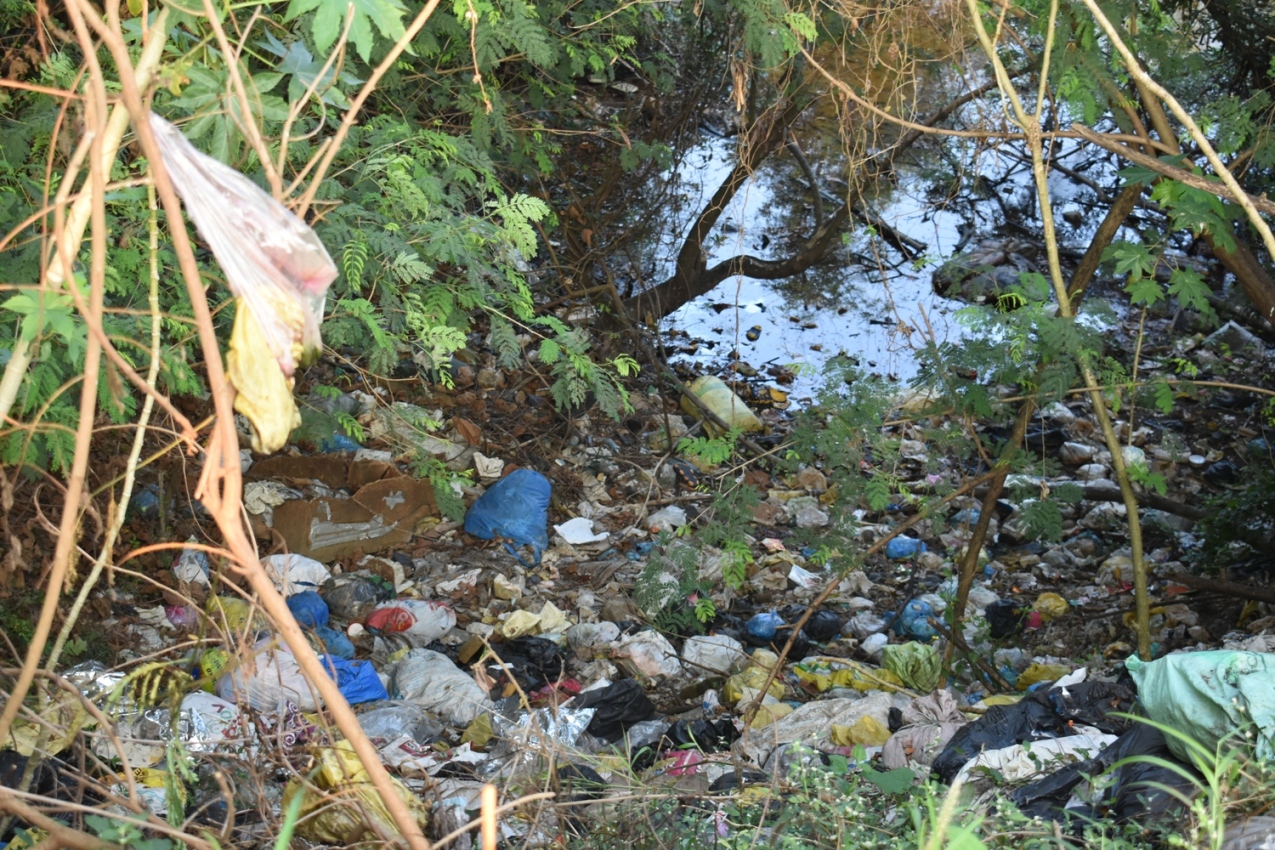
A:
(750, 679)
(867, 730)
(852, 675)
(346, 808)
(277, 269)
(1037, 673)
(264, 395)
(1050, 606)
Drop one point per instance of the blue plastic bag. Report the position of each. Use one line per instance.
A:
(357, 680)
(764, 625)
(901, 548)
(308, 609)
(335, 642)
(914, 622)
(516, 507)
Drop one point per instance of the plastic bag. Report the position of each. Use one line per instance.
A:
(713, 654)
(351, 597)
(516, 507)
(269, 680)
(650, 653)
(293, 573)
(419, 620)
(334, 642)
(343, 806)
(393, 720)
(308, 609)
(357, 680)
(278, 270)
(1210, 696)
(431, 680)
(917, 664)
(273, 261)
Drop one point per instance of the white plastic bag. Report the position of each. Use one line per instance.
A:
(272, 259)
(278, 270)
(420, 621)
(431, 680)
(293, 573)
(268, 681)
(650, 653)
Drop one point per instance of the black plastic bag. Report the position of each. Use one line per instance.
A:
(1039, 715)
(619, 706)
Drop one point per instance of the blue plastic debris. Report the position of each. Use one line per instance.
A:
(145, 502)
(516, 507)
(335, 642)
(915, 620)
(764, 625)
(357, 680)
(640, 550)
(308, 609)
(337, 443)
(901, 548)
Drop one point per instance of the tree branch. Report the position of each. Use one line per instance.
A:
(1195, 181)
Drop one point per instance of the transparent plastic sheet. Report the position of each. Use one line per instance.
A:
(277, 269)
(527, 737)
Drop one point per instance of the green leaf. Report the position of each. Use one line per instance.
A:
(802, 25)
(878, 492)
(329, 20)
(1132, 259)
(1188, 286)
(304, 72)
(1144, 290)
(897, 781)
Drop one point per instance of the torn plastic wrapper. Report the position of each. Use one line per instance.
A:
(526, 732)
(277, 269)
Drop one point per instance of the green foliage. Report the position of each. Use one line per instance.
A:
(329, 19)
(711, 450)
(1139, 473)
(1237, 523)
(128, 831)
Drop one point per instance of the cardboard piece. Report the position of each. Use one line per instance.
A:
(381, 514)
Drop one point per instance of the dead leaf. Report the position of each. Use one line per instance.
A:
(471, 432)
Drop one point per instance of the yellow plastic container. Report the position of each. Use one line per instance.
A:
(722, 401)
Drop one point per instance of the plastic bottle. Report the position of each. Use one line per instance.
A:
(719, 398)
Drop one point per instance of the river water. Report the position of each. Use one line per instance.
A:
(865, 300)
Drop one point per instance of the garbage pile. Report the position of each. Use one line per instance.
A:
(507, 648)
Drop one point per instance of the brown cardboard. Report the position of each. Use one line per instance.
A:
(381, 514)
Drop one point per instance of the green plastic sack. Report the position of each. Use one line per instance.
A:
(917, 664)
(1209, 695)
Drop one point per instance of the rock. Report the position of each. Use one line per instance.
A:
(1058, 414)
(913, 450)
(1092, 472)
(807, 512)
(1075, 454)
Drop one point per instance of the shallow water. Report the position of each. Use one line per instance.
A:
(865, 300)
